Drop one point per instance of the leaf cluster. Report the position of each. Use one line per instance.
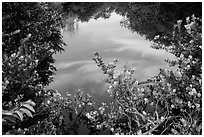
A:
(169, 103)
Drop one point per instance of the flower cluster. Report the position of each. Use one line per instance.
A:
(169, 103)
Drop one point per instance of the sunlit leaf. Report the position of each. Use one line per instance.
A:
(27, 112)
(11, 118)
(6, 112)
(28, 107)
(20, 114)
(30, 102)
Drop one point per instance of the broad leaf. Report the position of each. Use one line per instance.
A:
(26, 111)
(20, 114)
(30, 102)
(28, 107)
(6, 112)
(11, 118)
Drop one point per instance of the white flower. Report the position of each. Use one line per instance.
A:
(55, 95)
(190, 93)
(189, 103)
(98, 126)
(181, 56)
(179, 21)
(146, 100)
(192, 25)
(191, 41)
(187, 19)
(197, 106)
(168, 84)
(194, 91)
(187, 27)
(88, 116)
(89, 103)
(110, 87)
(101, 109)
(156, 37)
(103, 103)
(115, 83)
(199, 95)
(6, 82)
(109, 91)
(128, 73)
(21, 57)
(144, 112)
(13, 55)
(136, 82)
(68, 94)
(111, 64)
(94, 112)
(48, 101)
(115, 77)
(152, 103)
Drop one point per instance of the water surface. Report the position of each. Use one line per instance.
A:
(77, 70)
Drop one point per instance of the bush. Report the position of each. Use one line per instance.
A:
(169, 103)
(53, 112)
(30, 36)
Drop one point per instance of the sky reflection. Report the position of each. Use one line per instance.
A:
(77, 70)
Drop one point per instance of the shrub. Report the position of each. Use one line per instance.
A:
(169, 103)
(30, 36)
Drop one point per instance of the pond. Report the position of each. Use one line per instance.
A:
(76, 69)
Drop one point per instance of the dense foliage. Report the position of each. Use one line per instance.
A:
(169, 103)
(148, 18)
(172, 101)
(156, 18)
(30, 36)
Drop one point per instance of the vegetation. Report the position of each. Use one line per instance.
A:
(152, 19)
(30, 36)
(169, 103)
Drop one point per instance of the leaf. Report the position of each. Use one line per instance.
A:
(30, 102)
(28, 107)
(10, 133)
(174, 131)
(184, 122)
(6, 112)
(20, 114)
(27, 112)
(11, 118)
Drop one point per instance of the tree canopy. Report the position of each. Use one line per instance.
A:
(30, 36)
(149, 18)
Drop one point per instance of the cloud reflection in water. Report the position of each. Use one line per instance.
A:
(76, 69)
